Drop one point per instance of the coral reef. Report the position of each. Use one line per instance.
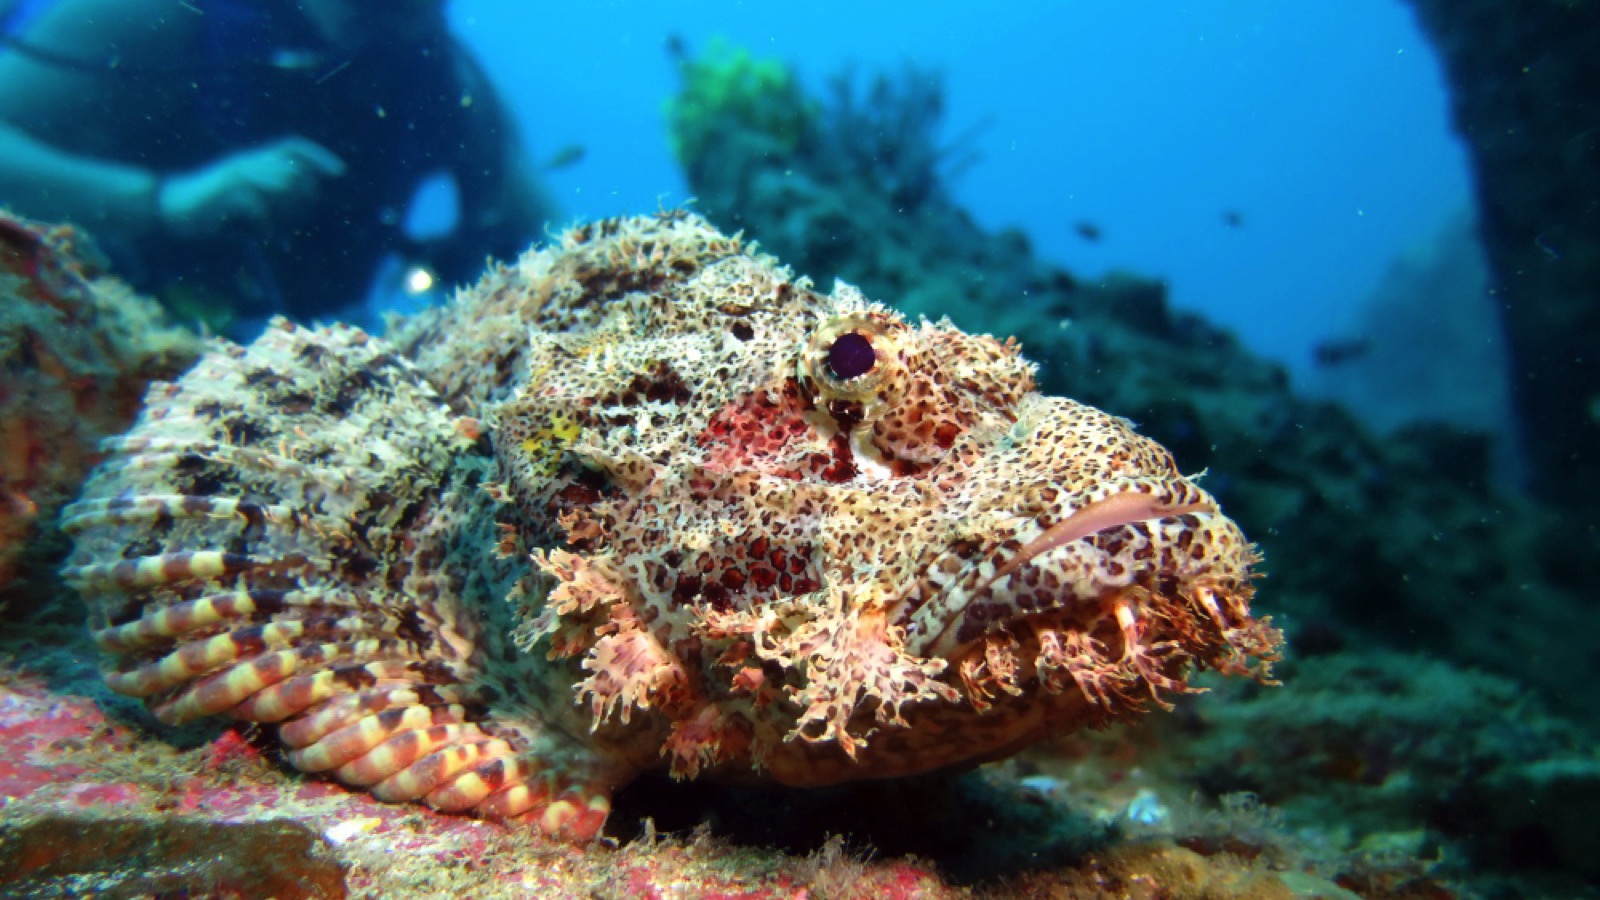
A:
(886, 137)
(77, 350)
(77, 855)
(1407, 754)
(1522, 87)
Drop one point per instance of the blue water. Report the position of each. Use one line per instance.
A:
(1324, 126)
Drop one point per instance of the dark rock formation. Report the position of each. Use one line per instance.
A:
(57, 856)
(1525, 87)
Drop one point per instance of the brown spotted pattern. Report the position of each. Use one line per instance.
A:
(614, 508)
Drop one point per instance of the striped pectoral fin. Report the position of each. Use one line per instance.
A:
(374, 714)
(552, 801)
(291, 535)
(563, 797)
(456, 759)
(324, 663)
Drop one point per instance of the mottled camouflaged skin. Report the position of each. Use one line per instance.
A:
(644, 499)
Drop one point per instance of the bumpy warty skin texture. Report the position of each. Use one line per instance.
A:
(645, 499)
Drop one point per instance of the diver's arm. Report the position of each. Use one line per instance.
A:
(249, 189)
(46, 183)
(71, 125)
(61, 124)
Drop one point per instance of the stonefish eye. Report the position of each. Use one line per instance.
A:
(851, 356)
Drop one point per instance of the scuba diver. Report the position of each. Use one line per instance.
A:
(257, 155)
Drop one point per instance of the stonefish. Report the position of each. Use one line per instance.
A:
(646, 499)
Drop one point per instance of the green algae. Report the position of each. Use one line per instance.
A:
(727, 91)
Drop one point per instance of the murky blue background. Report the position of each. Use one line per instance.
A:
(1323, 126)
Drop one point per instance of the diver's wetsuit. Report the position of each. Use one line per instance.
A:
(394, 113)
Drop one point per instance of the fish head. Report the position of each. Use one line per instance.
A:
(804, 534)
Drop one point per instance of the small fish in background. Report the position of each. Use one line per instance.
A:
(677, 48)
(1339, 351)
(1089, 231)
(1233, 218)
(570, 155)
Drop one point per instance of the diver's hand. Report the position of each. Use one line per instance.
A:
(251, 189)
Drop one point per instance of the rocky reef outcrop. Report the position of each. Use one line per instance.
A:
(1523, 90)
(77, 350)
